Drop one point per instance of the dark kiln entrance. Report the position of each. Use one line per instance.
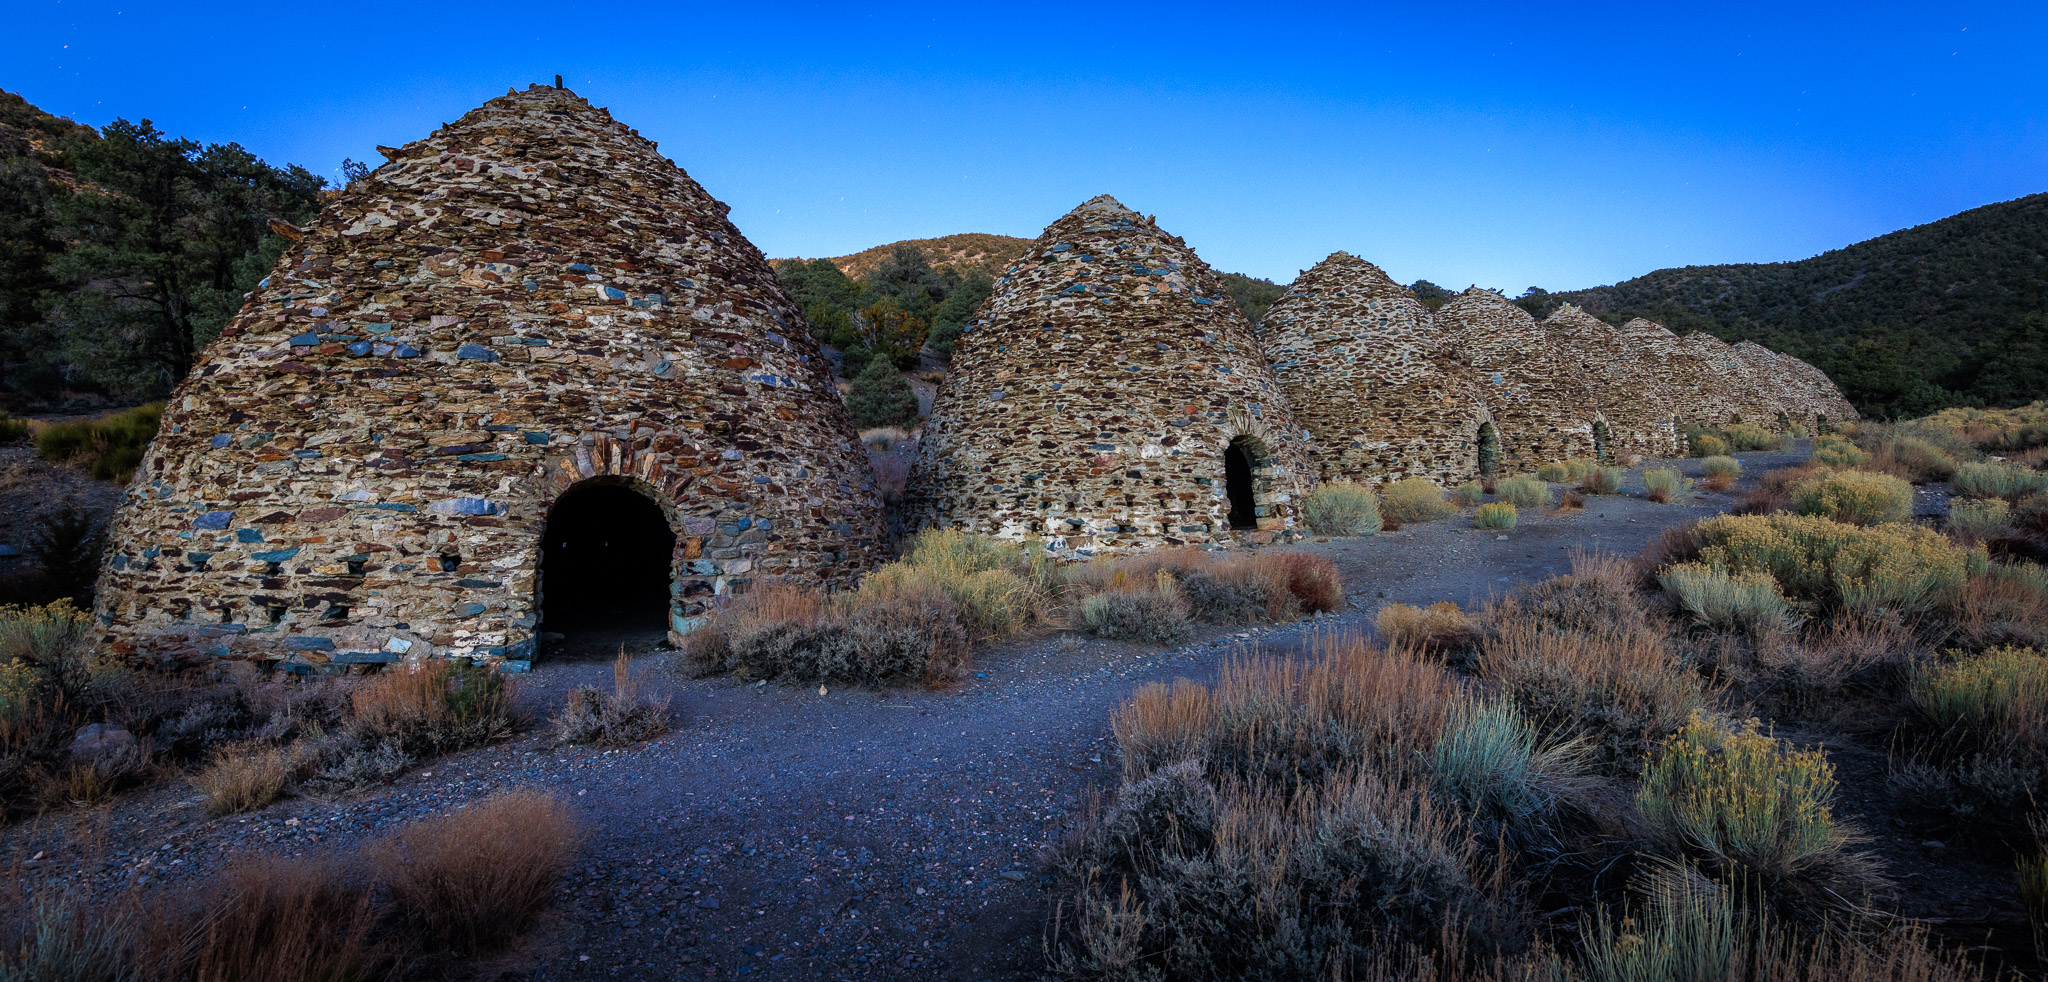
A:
(605, 567)
(1237, 482)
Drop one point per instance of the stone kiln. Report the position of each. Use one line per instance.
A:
(1636, 405)
(528, 322)
(1539, 399)
(1109, 396)
(1364, 366)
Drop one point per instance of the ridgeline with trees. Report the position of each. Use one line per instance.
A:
(1950, 313)
(124, 251)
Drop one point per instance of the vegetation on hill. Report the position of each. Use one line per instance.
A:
(1254, 297)
(978, 252)
(123, 252)
(901, 307)
(1954, 312)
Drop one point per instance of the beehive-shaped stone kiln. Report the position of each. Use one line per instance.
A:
(1538, 398)
(1623, 381)
(1364, 366)
(1728, 377)
(528, 322)
(1109, 396)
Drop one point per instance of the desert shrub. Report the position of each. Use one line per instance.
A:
(1442, 626)
(1666, 486)
(898, 630)
(1599, 594)
(1900, 568)
(1691, 929)
(2031, 513)
(1620, 692)
(1312, 579)
(1974, 521)
(475, 877)
(1341, 508)
(1998, 479)
(1469, 494)
(1601, 480)
(12, 430)
(1720, 472)
(1287, 823)
(995, 583)
(1747, 601)
(436, 707)
(1415, 499)
(1496, 515)
(1499, 771)
(1156, 615)
(617, 718)
(2004, 690)
(1743, 803)
(110, 447)
(1835, 451)
(244, 777)
(51, 641)
(1707, 445)
(2006, 604)
(1749, 436)
(1523, 491)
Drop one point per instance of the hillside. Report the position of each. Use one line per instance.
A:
(979, 252)
(1953, 311)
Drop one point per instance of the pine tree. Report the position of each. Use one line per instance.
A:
(880, 397)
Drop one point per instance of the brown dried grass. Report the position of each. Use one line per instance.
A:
(268, 917)
(473, 878)
(244, 777)
(1438, 628)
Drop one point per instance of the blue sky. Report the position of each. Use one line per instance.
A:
(1560, 146)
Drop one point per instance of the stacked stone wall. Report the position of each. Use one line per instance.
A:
(530, 298)
(1093, 398)
(1625, 383)
(1363, 364)
(1543, 406)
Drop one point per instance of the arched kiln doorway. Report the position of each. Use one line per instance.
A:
(606, 563)
(1239, 460)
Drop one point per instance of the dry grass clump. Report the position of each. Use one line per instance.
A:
(998, 586)
(1415, 499)
(1495, 515)
(1320, 818)
(1341, 508)
(1720, 472)
(2007, 604)
(784, 632)
(1666, 486)
(1773, 491)
(110, 447)
(1856, 497)
(473, 878)
(618, 718)
(1523, 491)
(1747, 806)
(1566, 471)
(1441, 627)
(416, 904)
(1900, 569)
(1583, 656)
(1602, 480)
(245, 776)
(1469, 494)
(1998, 479)
(1706, 445)
(1264, 585)
(1138, 611)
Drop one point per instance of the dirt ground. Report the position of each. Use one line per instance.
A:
(807, 833)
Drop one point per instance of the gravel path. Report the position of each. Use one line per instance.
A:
(789, 833)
